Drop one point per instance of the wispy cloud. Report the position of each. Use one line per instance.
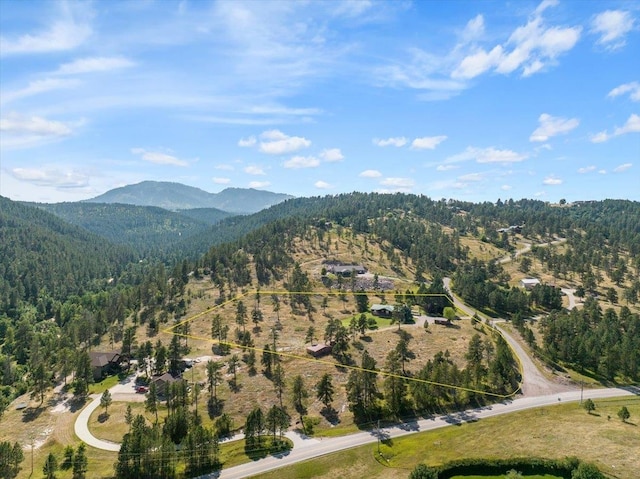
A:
(38, 86)
(247, 142)
(586, 169)
(322, 185)
(631, 126)
(54, 177)
(93, 65)
(612, 27)
(622, 168)
(553, 126)
(158, 157)
(447, 167)
(530, 48)
(396, 141)
(63, 34)
(487, 155)
(19, 131)
(632, 88)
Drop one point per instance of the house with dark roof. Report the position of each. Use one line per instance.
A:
(347, 269)
(163, 383)
(318, 350)
(104, 363)
(382, 310)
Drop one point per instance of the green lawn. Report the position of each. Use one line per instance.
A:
(504, 476)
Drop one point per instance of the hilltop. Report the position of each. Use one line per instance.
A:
(176, 196)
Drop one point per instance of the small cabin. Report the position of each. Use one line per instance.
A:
(318, 350)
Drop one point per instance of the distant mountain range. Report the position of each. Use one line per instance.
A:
(176, 196)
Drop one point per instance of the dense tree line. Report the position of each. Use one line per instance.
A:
(607, 344)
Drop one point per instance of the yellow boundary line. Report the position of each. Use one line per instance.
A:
(171, 329)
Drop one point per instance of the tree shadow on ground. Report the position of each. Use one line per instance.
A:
(31, 414)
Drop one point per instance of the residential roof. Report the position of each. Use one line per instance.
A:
(100, 359)
(382, 307)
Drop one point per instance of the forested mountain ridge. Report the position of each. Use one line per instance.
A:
(176, 196)
(149, 230)
(43, 258)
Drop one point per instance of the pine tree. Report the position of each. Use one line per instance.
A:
(80, 462)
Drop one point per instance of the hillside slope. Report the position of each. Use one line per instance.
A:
(43, 256)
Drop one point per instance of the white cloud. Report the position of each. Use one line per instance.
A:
(427, 142)
(277, 143)
(602, 172)
(632, 88)
(302, 162)
(586, 169)
(474, 29)
(622, 168)
(552, 126)
(158, 158)
(506, 187)
(36, 87)
(94, 64)
(322, 185)
(397, 141)
(259, 184)
(552, 180)
(370, 174)
(398, 182)
(487, 155)
(62, 35)
(247, 142)
(612, 26)
(447, 167)
(254, 170)
(531, 47)
(600, 137)
(471, 177)
(632, 125)
(478, 63)
(51, 177)
(221, 181)
(20, 131)
(331, 155)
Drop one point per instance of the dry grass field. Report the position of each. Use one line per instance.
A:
(552, 432)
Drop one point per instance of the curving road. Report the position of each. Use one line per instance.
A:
(306, 449)
(534, 383)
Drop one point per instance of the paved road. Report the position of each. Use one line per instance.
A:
(306, 449)
(533, 381)
(82, 429)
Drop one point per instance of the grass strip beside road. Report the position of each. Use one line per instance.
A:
(552, 432)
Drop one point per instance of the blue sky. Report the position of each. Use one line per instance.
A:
(468, 100)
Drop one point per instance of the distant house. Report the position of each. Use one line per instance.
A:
(320, 349)
(347, 269)
(382, 310)
(442, 321)
(104, 363)
(529, 283)
(163, 382)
